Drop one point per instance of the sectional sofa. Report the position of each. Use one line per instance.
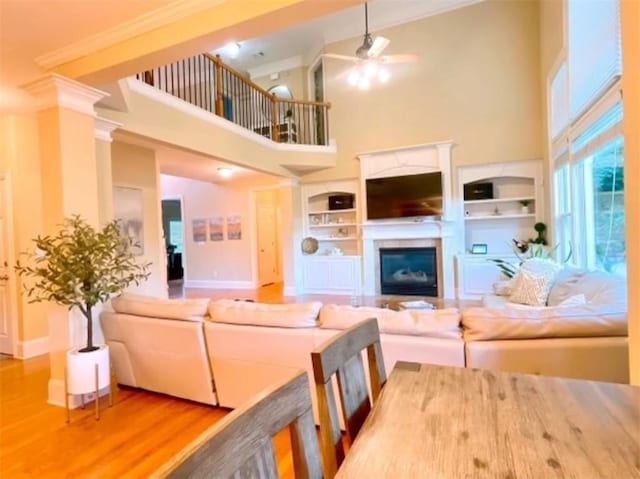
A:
(223, 352)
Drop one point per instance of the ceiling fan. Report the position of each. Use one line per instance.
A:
(372, 49)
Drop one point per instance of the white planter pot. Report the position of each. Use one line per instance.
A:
(81, 370)
(525, 210)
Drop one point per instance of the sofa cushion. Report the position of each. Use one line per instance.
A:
(532, 283)
(516, 321)
(564, 285)
(435, 323)
(296, 315)
(181, 309)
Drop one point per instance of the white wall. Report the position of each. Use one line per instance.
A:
(225, 263)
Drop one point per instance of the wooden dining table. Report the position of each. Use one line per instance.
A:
(441, 422)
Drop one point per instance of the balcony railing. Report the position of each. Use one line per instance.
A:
(206, 82)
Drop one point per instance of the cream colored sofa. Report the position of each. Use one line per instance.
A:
(587, 341)
(223, 352)
(230, 350)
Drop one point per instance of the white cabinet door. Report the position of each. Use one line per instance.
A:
(477, 276)
(332, 274)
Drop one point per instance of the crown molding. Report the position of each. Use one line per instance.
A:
(56, 90)
(146, 22)
(103, 129)
(277, 66)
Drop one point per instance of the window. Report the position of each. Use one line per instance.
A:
(585, 139)
(175, 235)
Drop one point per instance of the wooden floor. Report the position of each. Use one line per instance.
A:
(132, 438)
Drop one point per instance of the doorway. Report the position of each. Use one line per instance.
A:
(6, 311)
(318, 95)
(174, 239)
(269, 256)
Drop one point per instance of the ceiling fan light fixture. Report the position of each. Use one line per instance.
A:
(354, 76)
(370, 69)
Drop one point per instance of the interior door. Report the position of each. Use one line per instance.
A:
(267, 245)
(6, 333)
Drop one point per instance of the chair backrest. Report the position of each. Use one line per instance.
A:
(241, 444)
(341, 355)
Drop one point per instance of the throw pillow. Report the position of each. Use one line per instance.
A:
(503, 288)
(532, 283)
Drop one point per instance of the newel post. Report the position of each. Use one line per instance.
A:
(218, 73)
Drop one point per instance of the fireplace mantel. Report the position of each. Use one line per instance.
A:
(373, 230)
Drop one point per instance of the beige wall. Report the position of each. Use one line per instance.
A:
(631, 85)
(137, 167)
(476, 82)
(295, 79)
(227, 260)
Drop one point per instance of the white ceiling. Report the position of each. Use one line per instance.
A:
(305, 40)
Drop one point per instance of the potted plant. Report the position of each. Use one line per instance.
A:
(525, 206)
(80, 267)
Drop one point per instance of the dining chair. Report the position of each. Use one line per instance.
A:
(241, 444)
(342, 356)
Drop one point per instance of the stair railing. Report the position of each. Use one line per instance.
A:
(206, 82)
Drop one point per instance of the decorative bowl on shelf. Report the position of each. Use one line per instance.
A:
(309, 245)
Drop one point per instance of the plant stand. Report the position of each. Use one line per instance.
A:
(87, 373)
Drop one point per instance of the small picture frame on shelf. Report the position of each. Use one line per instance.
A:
(479, 248)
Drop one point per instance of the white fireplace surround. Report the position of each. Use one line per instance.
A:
(409, 232)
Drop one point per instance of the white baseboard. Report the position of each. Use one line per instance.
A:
(33, 347)
(56, 395)
(210, 284)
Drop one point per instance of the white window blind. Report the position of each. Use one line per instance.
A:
(594, 51)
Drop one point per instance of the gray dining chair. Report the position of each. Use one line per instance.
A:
(241, 446)
(342, 356)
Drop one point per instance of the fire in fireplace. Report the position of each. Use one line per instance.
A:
(408, 271)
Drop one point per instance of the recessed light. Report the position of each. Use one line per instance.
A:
(232, 49)
(225, 171)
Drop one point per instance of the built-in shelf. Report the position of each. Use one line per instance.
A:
(331, 225)
(336, 238)
(498, 217)
(499, 200)
(320, 212)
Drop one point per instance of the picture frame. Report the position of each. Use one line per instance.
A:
(479, 248)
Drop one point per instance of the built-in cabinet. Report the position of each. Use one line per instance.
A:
(503, 201)
(336, 265)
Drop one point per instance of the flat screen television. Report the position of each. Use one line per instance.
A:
(404, 196)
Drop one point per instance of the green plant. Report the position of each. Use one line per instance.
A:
(541, 229)
(510, 269)
(80, 266)
(525, 202)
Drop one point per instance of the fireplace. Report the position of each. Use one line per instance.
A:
(409, 271)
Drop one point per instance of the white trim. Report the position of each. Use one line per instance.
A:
(32, 348)
(103, 128)
(146, 22)
(11, 253)
(56, 90)
(404, 148)
(214, 284)
(277, 66)
(185, 107)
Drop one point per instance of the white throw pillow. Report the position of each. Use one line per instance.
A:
(503, 288)
(532, 283)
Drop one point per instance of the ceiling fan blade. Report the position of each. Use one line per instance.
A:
(341, 57)
(404, 58)
(379, 44)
